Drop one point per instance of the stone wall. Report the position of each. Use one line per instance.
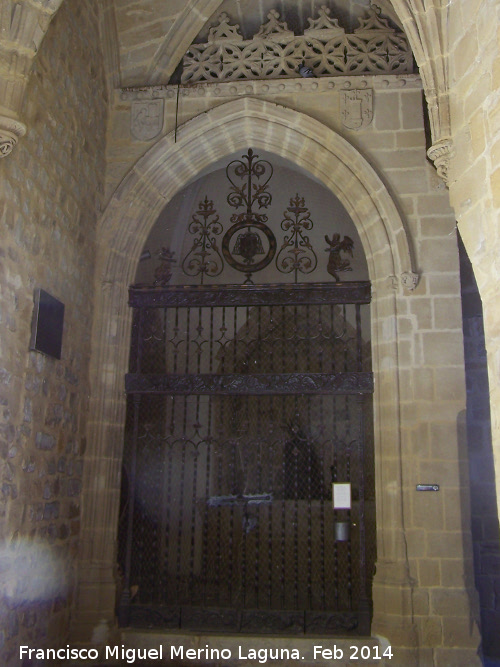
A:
(51, 188)
(423, 593)
(474, 71)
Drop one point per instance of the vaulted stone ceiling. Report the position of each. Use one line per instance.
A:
(145, 40)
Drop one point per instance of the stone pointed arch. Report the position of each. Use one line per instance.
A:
(178, 39)
(164, 170)
(171, 163)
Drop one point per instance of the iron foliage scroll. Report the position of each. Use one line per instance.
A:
(204, 257)
(296, 252)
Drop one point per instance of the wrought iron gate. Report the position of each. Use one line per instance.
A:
(245, 404)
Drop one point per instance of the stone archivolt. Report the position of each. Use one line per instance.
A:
(276, 52)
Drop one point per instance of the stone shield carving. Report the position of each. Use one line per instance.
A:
(146, 120)
(356, 108)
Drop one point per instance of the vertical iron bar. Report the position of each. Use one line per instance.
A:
(193, 519)
(246, 341)
(207, 496)
(222, 329)
(364, 603)
(259, 338)
(335, 512)
(333, 336)
(181, 503)
(270, 486)
(235, 338)
(349, 541)
(283, 513)
(296, 513)
(359, 338)
(322, 509)
(167, 518)
(310, 492)
(244, 555)
(196, 453)
(296, 341)
(176, 331)
(283, 343)
(140, 342)
(218, 535)
(257, 512)
(234, 491)
(211, 340)
(188, 339)
(309, 507)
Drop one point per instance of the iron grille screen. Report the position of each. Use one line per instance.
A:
(239, 419)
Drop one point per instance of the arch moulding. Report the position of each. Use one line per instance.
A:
(134, 208)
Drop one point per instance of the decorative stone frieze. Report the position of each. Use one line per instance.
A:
(10, 132)
(276, 52)
(274, 87)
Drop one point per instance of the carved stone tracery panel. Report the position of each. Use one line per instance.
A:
(276, 52)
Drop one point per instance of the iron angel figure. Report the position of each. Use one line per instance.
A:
(335, 261)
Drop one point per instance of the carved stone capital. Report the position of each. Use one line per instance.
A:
(409, 280)
(10, 131)
(440, 153)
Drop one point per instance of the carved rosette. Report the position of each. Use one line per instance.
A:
(10, 132)
(440, 153)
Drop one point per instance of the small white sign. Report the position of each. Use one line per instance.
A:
(341, 496)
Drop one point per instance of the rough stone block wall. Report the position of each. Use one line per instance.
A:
(51, 188)
(474, 71)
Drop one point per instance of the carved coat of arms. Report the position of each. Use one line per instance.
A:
(356, 108)
(146, 121)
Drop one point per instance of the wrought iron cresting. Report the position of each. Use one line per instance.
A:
(204, 257)
(296, 252)
(249, 178)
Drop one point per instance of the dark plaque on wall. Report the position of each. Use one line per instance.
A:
(47, 325)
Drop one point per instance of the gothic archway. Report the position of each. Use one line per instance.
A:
(132, 211)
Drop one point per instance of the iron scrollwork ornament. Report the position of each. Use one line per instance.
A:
(255, 243)
(296, 252)
(204, 258)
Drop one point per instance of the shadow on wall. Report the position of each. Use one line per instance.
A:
(483, 494)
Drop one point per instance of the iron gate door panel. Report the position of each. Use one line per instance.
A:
(240, 418)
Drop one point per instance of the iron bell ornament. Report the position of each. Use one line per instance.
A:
(248, 244)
